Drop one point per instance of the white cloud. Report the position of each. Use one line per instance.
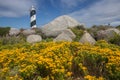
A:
(70, 3)
(101, 12)
(15, 8)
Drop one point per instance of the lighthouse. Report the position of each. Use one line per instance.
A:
(33, 17)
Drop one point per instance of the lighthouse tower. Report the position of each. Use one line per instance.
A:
(33, 17)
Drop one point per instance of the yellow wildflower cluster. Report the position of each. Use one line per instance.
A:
(60, 61)
(88, 77)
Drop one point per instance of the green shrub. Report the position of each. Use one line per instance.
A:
(78, 32)
(60, 61)
(11, 40)
(47, 40)
(80, 27)
(101, 27)
(115, 39)
(4, 31)
(118, 27)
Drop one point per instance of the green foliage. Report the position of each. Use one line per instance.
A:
(91, 63)
(95, 64)
(80, 27)
(11, 40)
(115, 39)
(101, 27)
(4, 31)
(118, 27)
(78, 32)
(47, 40)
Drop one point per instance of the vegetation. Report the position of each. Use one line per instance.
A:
(49, 60)
(78, 31)
(80, 27)
(101, 27)
(10, 40)
(47, 40)
(118, 27)
(115, 39)
(60, 61)
(4, 31)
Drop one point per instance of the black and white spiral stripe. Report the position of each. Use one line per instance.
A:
(33, 18)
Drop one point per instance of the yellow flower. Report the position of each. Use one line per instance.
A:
(5, 69)
(69, 74)
(84, 68)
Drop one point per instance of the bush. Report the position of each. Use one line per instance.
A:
(118, 27)
(60, 61)
(4, 31)
(78, 32)
(80, 27)
(101, 27)
(47, 40)
(10, 40)
(115, 39)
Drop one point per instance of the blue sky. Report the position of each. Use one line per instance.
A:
(15, 13)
